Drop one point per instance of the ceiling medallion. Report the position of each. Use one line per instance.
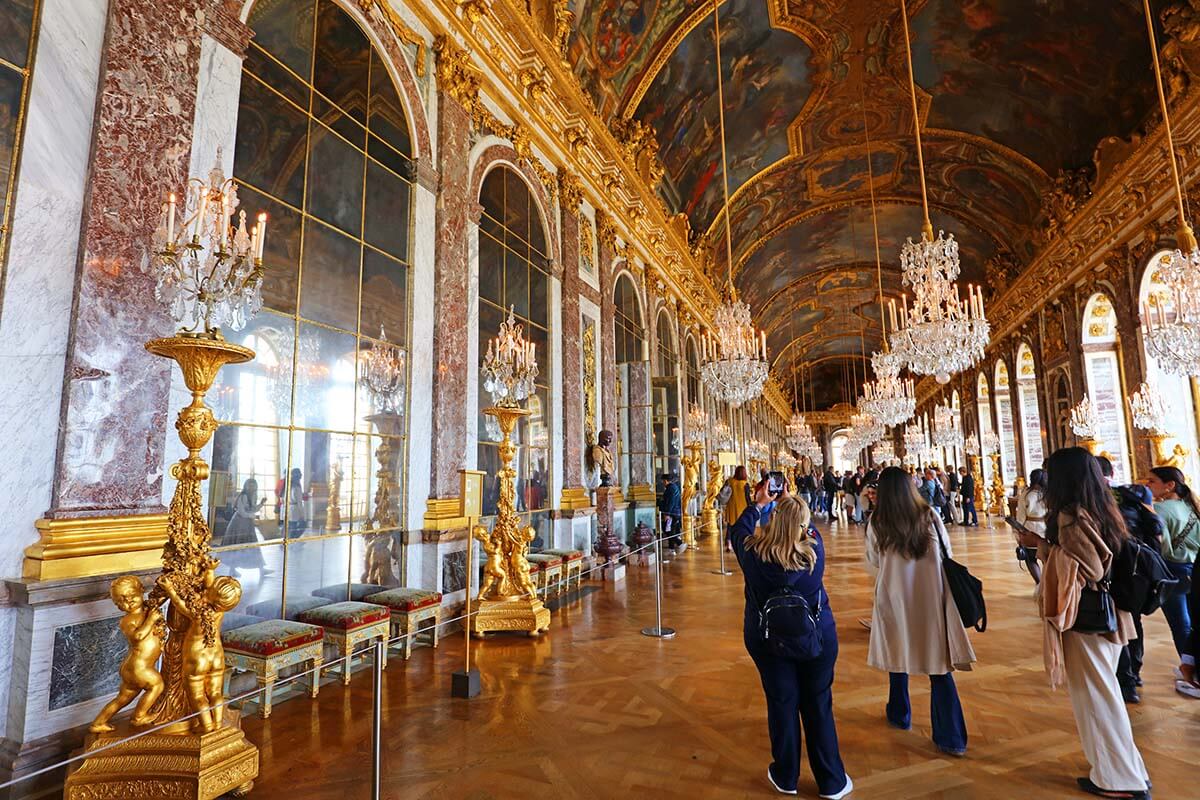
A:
(735, 355)
(1172, 326)
(940, 334)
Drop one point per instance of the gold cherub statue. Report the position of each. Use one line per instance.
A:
(143, 626)
(518, 564)
(203, 654)
(494, 574)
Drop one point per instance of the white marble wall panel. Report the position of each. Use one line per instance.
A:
(472, 346)
(420, 413)
(40, 279)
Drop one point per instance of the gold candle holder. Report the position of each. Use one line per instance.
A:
(200, 752)
(508, 598)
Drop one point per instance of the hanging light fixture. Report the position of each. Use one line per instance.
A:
(1172, 324)
(722, 436)
(735, 354)
(940, 334)
(381, 367)
(1084, 423)
(884, 452)
(889, 398)
(1149, 410)
(946, 432)
(916, 446)
(797, 428)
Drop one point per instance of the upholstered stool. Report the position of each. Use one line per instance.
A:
(572, 565)
(266, 647)
(551, 569)
(410, 608)
(346, 624)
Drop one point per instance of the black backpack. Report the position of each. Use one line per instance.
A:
(1140, 578)
(790, 627)
(1140, 519)
(966, 589)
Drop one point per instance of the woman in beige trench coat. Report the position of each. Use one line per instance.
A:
(916, 628)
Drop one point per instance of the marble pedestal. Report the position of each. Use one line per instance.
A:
(573, 529)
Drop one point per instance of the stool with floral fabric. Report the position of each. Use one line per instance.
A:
(551, 570)
(411, 608)
(348, 624)
(264, 648)
(572, 565)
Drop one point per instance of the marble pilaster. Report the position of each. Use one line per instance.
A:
(450, 440)
(115, 393)
(421, 351)
(608, 349)
(640, 432)
(572, 379)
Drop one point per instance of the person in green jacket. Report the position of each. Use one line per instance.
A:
(1176, 505)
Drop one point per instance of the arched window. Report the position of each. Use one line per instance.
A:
(667, 435)
(630, 338)
(1007, 426)
(956, 453)
(984, 405)
(693, 373)
(514, 276)
(1060, 408)
(322, 146)
(837, 451)
(1031, 419)
(627, 318)
(1176, 390)
(18, 21)
(1103, 371)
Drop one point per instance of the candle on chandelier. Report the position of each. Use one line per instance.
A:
(224, 220)
(892, 311)
(764, 344)
(201, 211)
(262, 234)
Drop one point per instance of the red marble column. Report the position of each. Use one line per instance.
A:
(455, 208)
(114, 407)
(572, 354)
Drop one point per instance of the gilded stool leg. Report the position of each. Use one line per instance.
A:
(266, 683)
(347, 652)
(437, 624)
(406, 626)
(383, 650)
(314, 677)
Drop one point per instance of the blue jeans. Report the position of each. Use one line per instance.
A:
(945, 711)
(969, 515)
(1175, 609)
(800, 693)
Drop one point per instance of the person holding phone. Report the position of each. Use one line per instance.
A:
(788, 551)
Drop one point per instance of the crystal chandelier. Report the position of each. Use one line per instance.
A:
(889, 398)
(1149, 410)
(884, 452)
(723, 436)
(735, 358)
(510, 367)
(1083, 420)
(940, 334)
(866, 429)
(971, 445)
(381, 369)
(990, 442)
(309, 374)
(209, 273)
(915, 447)
(1174, 340)
(735, 354)
(697, 424)
(946, 432)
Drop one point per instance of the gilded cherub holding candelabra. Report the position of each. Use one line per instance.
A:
(209, 274)
(508, 597)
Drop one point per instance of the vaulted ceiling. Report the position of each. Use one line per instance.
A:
(1011, 94)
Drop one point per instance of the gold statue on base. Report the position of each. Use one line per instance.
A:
(708, 524)
(508, 599)
(203, 653)
(691, 476)
(145, 629)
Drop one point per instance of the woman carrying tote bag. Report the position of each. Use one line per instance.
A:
(916, 628)
(1084, 531)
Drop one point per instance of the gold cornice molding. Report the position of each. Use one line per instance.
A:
(89, 546)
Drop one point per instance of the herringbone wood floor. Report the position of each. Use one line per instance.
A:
(595, 710)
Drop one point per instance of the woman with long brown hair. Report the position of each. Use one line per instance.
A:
(788, 552)
(1084, 533)
(916, 628)
(1176, 505)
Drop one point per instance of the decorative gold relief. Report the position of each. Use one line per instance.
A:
(589, 381)
(570, 194)
(78, 548)
(400, 29)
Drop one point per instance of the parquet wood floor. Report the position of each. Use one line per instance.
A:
(595, 710)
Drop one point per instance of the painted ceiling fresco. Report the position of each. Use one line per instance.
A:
(1012, 92)
(766, 86)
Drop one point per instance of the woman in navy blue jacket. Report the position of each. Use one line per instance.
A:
(789, 552)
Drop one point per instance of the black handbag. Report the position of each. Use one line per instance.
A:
(1097, 611)
(966, 589)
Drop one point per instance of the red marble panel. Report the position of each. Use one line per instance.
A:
(572, 355)
(455, 206)
(115, 394)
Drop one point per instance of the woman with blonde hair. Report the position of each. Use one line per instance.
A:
(916, 628)
(786, 557)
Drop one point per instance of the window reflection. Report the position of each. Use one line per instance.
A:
(18, 21)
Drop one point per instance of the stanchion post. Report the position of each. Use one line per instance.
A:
(722, 570)
(658, 631)
(377, 722)
(466, 684)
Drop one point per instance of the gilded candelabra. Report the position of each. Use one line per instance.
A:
(996, 506)
(508, 599)
(201, 752)
(382, 544)
(691, 474)
(709, 520)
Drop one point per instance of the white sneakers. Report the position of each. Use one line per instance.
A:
(845, 791)
(776, 785)
(1187, 689)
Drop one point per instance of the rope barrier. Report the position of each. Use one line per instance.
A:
(283, 682)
